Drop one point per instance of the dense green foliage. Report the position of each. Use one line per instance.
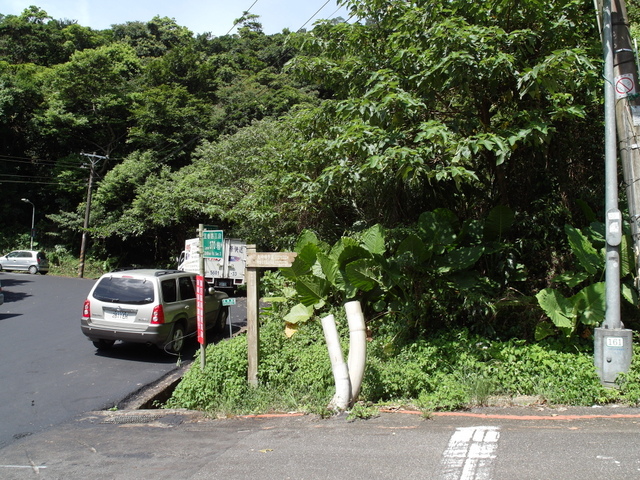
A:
(447, 371)
(439, 264)
(432, 153)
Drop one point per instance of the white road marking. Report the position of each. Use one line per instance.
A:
(470, 453)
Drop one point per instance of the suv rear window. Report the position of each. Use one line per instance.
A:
(124, 290)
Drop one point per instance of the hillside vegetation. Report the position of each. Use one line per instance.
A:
(441, 161)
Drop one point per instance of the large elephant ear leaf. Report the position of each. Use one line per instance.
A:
(303, 263)
(299, 314)
(373, 240)
(329, 268)
(590, 304)
(307, 236)
(498, 223)
(362, 274)
(438, 229)
(582, 248)
(412, 245)
(459, 259)
(311, 290)
(558, 308)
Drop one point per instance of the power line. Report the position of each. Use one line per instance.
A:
(247, 11)
(313, 16)
(30, 182)
(38, 162)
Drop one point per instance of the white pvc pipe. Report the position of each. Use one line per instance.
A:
(340, 370)
(357, 347)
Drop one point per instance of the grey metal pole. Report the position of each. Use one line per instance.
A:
(612, 265)
(612, 343)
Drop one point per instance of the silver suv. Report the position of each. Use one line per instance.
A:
(148, 306)
(28, 260)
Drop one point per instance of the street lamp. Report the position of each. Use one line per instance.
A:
(33, 218)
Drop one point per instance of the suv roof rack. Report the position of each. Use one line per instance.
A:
(166, 272)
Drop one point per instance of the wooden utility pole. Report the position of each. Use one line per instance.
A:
(93, 161)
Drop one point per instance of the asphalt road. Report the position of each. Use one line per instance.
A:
(489, 444)
(49, 371)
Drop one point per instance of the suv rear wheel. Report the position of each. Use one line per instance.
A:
(221, 320)
(103, 344)
(176, 340)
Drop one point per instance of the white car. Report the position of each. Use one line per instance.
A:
(30, 261)
(157, 307)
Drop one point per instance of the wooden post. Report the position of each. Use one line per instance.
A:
(253, 333)
(256, 261)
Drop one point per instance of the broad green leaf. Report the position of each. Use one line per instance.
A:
(352, 253)
(498, 223)
(373, 240)
(340, 246)
(459, 259)
(589, 304)
(629, 293)
(274, 299)
(438, 229)
(306, 237)
(572, 279)
(415, 246)
(464, 280)
(543, 330)
(329, 268)
(362, 275)
(299, 313)
(311, 289)
(558, 308)
(627, 257)
(588, 257)
(303, 263)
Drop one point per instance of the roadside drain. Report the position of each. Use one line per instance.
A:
(154, 396)
(124, 419)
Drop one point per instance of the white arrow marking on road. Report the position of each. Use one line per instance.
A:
(470, 453)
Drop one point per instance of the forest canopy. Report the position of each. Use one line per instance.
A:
(419, 106)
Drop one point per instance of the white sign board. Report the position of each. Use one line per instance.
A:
(625, 85)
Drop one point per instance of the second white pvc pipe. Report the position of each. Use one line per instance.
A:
(357, 347)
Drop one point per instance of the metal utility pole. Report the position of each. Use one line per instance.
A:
(613, 343)
(93, 161)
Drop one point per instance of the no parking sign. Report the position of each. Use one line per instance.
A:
(625, 85)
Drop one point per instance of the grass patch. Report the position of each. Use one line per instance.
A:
(450, 371)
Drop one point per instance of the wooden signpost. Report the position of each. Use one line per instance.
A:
(255, 261)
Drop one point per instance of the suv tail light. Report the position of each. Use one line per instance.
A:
(86, 310)
(157, 317)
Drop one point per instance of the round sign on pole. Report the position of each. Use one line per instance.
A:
(625, 85)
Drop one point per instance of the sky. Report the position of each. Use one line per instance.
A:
(199, 16)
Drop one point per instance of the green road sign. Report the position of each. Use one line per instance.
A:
(228, 301)
(213, 244)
